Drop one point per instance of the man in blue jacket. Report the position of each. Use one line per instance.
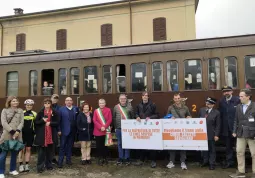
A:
(227, 108)
(67, 130)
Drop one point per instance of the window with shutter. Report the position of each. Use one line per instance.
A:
(159, 29)
(106, 34)
(61, 39)
(20, 42)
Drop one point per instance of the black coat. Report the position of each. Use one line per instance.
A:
(227, 114)
(147, 110)
(213, 122)
(244, 125)
(40, 128)
(85, 129)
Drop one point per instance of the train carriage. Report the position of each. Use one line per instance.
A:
(196, 68)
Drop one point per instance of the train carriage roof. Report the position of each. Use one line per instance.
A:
(199, 44)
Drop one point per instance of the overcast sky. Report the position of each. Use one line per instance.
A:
(214, 18)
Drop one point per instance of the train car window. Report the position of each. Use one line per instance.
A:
(121, 78)
(47, 81)
(62, 81)
(172, 76)
(157, 79)
(250, 71)
(90, 80)
(193, 74)
(139, 77)
(12, 83)
(74, 81)
(107, 80)
(214, 73)
(231, 71)
(33, 78)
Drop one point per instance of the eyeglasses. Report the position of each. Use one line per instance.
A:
(55, 97)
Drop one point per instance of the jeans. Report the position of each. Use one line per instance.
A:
(182, 154)
(123, 153)
(3, 156)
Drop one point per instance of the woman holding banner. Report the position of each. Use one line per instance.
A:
(102, 119)
(122, 111)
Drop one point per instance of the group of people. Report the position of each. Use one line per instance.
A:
(234, 118)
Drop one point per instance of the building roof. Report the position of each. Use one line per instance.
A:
(57, 11)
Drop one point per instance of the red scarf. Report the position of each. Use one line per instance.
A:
(48, 131)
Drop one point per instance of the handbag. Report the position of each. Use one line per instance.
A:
(1, 126)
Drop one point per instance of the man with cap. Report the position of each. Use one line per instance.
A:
(56, 107)
(213, 123)
(227, 108)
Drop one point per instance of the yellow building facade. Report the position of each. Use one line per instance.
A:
(129, 22)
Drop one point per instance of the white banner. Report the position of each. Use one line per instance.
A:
(142, 135)
(185, 134)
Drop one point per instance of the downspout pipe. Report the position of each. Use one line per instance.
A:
(131, 22)
(2, 38)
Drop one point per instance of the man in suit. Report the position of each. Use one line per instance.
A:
(213, 123)
(67, 130)
(227, 108)
(244, 130)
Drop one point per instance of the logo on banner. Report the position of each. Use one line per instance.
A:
(201, 122)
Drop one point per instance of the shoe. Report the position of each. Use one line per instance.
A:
(170, 165)
(100, 162)
(69, 163)
(27, 168)
(119, 162)
(54, 161)
(211, 167)
(21, 168)
(226, 166)
(60, 166)
(183, 166)
(237, 175)
(14, 173)
(50, 168)
(204, 164)
(40, 171)
(139, 163)
(105, 161)
(88, 162)
(2, 176)
(153, 164)
(83, 162)
(127, 162)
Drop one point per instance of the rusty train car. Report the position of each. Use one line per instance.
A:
(196, 68)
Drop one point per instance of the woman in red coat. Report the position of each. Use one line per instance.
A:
(102, 119)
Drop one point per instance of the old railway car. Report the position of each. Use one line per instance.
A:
(196, 68)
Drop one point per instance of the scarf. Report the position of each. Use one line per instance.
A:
(88, 117)
(48, 130)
